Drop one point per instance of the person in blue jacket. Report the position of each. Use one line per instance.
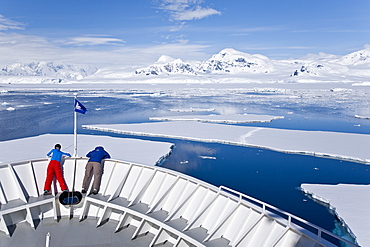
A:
(55, 169)
(94, 166)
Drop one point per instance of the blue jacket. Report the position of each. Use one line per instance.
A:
(57, 154)
(98, 154)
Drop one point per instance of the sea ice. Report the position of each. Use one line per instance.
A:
(365, 117)
(350, 202)
(230, 119)
(119, 148)
(192, 110)
(347, 146)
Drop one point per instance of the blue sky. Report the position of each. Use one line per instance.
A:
(137, 32)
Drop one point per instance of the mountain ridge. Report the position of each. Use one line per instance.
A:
(49, 69)
(231, 61)
(228, 65)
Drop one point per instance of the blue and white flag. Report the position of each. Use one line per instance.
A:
(79, 107)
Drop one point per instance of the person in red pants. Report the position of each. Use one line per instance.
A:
(55, 169)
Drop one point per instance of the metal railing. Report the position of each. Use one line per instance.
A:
(265, 207)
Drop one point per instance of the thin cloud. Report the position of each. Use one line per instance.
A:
(7, 24)
(330, 30)
(27, 48)
(90, 41)
(248, 31)
(177, 5)
(179, 49)
(195, 14)
(177, 27)
(186, 10)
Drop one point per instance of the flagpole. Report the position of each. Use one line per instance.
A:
(75, 127)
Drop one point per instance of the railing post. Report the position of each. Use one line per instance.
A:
(47, 244)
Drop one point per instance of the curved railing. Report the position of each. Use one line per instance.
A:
(173, 207)
(290, 218)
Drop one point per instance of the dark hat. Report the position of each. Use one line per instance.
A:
(57, 146)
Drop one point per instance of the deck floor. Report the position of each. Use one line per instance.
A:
(71, 232)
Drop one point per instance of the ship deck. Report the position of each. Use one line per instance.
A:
(141, 205)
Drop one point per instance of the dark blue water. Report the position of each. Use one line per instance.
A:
(269, 176)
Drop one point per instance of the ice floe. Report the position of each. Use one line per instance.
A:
(192, 110)
(364, 117)
(346, 146)
(230, 119)
(351, 204)
(119, 148)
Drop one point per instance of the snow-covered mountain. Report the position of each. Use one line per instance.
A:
(48, 69)
(236, 64)
(315, 68)
(356, 58)
(167, 65)
(228, 65)
(232, 61)
(227, 61)
(354, 66)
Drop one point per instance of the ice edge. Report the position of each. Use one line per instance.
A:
(326, 203)
(316, 154)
